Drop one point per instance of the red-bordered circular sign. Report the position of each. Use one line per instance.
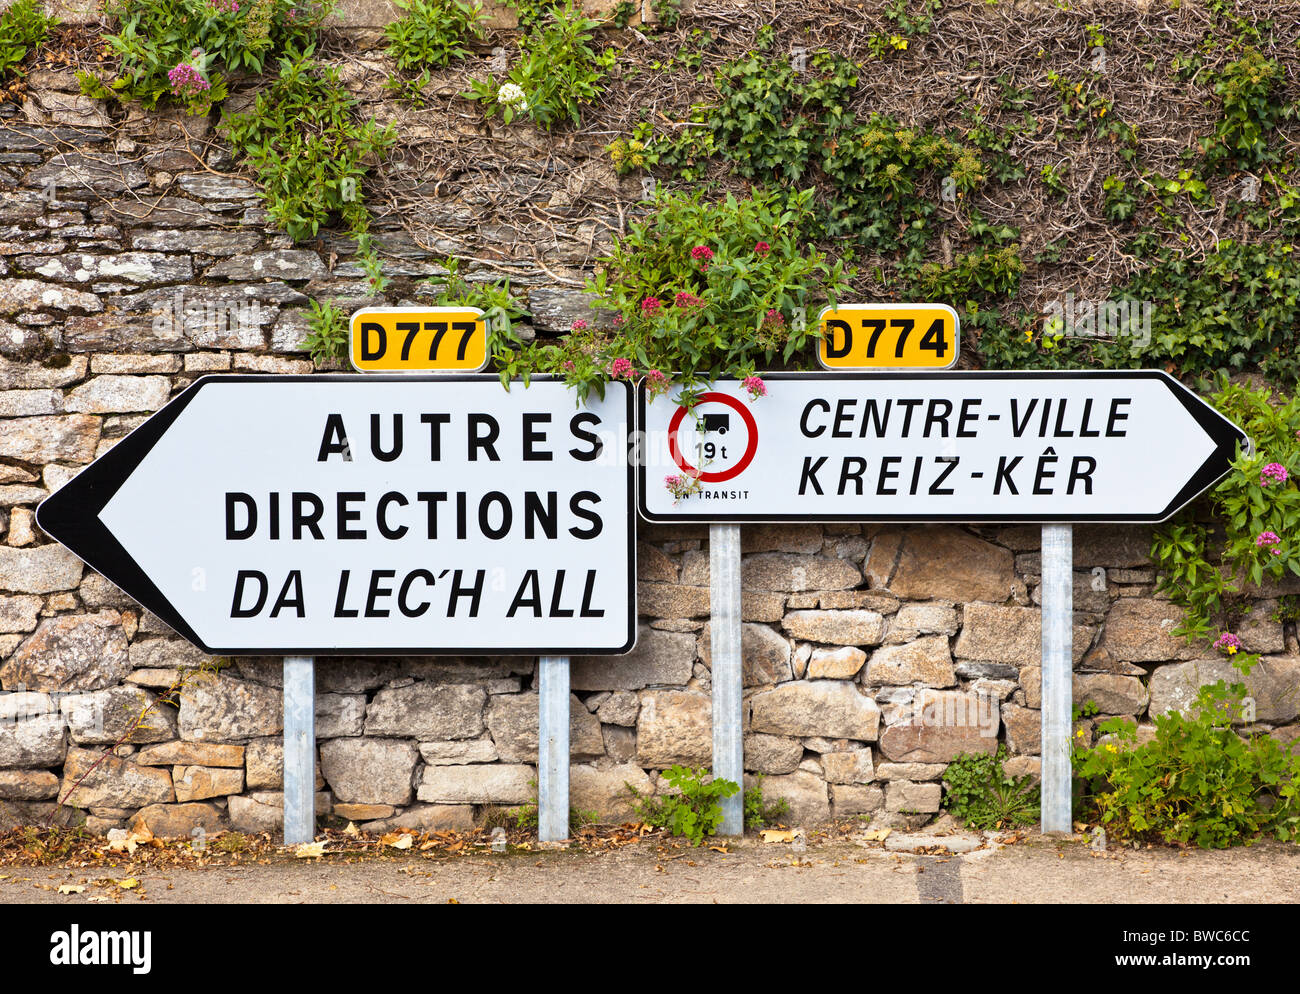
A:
(722, 475)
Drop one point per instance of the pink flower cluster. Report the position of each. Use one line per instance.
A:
(701, 253)
(186, 80)
(622, 369)
(762, 248)
(578, 325)
(774, 318)
(1272, 473)
(1228, 644)
(755, 385)
(1271, 540)
(678, 485)
(685, 298)
(226, 6)
(650, 306)
(656, 382)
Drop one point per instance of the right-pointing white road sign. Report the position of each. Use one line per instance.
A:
(987, 446)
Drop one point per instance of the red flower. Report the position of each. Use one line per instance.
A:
(702, 253)
(651, 305)
(762, 248)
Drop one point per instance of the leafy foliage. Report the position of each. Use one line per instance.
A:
(758, 813)
(309, 149)
(23, 27)
(500, 307)
(1248, 504)
(1231, 311)
(433, 32)
(694, 812)
(526, 818)
(981, 795)
(559, 72)
(779, 125)
(1251, 109)
(700, 290)
(770, 121)
(217, 37)
(1234, 310)
(328, 335)
(1198, 781)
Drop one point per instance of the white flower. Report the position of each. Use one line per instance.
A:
(512, 95)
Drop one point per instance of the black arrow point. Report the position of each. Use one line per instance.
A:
(71, 514)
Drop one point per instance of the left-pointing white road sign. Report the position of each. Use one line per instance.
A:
(317, 515)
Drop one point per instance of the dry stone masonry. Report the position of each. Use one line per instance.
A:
(132, 261)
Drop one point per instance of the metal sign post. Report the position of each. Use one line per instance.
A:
(299, 749)
(727, 680)
(1057, 674)
(553, 748)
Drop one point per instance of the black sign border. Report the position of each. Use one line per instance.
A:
(71, 516)
(1206, 476)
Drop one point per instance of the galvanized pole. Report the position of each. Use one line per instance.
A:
(553, 749)
(299, 749)
(724, 607)
(1057, 674)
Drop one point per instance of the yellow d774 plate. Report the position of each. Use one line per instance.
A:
(418, 340)
(889, 336)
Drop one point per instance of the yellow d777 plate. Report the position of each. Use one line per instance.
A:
(889, 336)
(418, 340)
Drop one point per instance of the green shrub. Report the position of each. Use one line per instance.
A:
(980, 275)
(433, 32)
(214, 37)
(1197, 781)
(701, 291)
(500, 307)
(1233, 310)
(309, 149)
(694, 812)
(328, 335)
(981, 795)
(1205, 566)
(526, 818)
(23, 27)
(1251, 110)
(769, 121)
(758, 813)
(558, 73)
(880, 171)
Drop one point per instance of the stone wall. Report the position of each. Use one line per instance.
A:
(872, 655)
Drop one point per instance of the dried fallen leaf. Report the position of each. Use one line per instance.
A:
(351, 831)
(130, 883)
(310, 850)
(70, 889)
(776, 835)
(401, 842)
(876, 835)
